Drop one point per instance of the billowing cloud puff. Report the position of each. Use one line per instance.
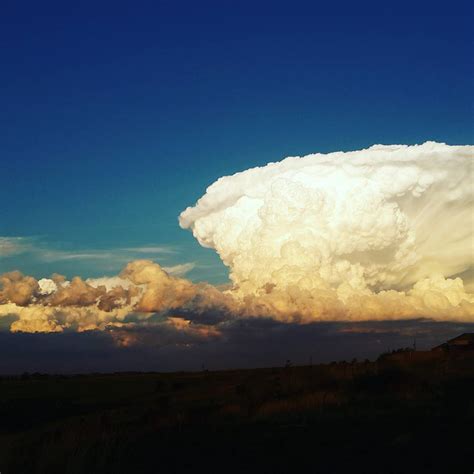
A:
(17, 288)
(142, 291)
(371, 234)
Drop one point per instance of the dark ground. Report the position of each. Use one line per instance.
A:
(383, 417)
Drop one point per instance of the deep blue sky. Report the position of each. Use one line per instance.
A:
(115, 116)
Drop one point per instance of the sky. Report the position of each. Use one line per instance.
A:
(117, 116)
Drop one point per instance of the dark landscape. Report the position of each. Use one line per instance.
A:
(405, 412)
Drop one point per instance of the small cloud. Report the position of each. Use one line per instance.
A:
(121, 255)
(13, 245)
(150, 249)
(46, 252)
(56, 255)
(181, 269)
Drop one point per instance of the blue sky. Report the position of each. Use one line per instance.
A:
(116, 116)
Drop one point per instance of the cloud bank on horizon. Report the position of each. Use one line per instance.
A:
(384, 233)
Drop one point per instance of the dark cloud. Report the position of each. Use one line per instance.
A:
(182, 345)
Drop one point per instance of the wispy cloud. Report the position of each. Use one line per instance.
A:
(117, 254)
(57, 255)
(151, 249)
(14, 245)
(181, 269)
(41, 251)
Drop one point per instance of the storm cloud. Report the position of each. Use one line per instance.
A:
(383, 234)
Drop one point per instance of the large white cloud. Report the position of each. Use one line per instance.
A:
(315, 234)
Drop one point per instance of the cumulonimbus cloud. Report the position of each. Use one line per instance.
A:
(385, 232)
(379, 234)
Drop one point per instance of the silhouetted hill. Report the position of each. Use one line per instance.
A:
(390, 416)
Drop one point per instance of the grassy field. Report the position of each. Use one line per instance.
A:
(343, 417)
